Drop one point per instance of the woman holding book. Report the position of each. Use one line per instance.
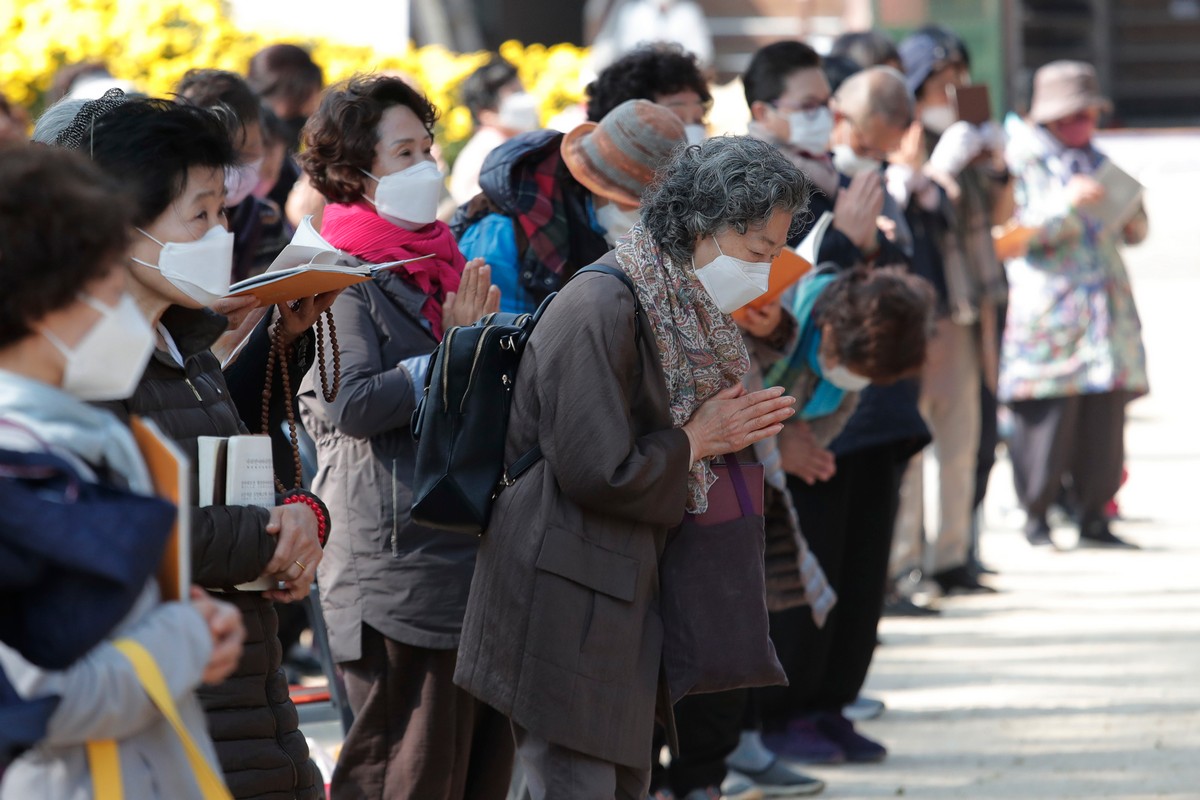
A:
(393, 592)
(70, 333)
(172, 160)
(1072, 356)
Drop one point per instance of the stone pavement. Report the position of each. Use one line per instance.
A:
(1081, 678)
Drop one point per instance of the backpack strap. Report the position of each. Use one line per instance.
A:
(521, 465)
(609, 267)
(606, 267)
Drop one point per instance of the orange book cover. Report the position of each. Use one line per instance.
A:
(1011, 240)
(786, 270)
(169, 472)
(299, 285)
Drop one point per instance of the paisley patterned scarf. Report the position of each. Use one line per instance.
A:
(700, 348)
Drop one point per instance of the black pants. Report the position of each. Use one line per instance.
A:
(709, 726)
(1079, 439)
(848, 522)
(989, 440)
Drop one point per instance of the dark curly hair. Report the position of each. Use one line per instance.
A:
(882, 320)
(339, 140)
(726, 182)
(481, 90)
(645, 74)
(63, 224)
(149, 145)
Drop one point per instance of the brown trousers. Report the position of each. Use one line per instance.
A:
(417, 736)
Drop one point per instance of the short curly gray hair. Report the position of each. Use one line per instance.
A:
(726, 182)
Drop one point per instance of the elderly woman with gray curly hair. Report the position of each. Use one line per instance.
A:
(628, 401)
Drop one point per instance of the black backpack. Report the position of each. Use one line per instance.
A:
(461, 422)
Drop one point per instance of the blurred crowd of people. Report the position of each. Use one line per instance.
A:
(541, 644)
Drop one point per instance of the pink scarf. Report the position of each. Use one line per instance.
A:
(357, 229)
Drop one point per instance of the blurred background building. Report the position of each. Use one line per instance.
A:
(1147, 52)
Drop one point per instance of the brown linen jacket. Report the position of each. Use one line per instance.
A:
(563, 632)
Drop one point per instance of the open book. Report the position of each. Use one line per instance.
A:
(169, 471)
(308, 266)
(237, 471)
(1122, 196)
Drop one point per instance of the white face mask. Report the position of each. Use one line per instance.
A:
(696, 134)
(732, 282)
(110, 359)
(938, 118)
(409, 198)
(201, 269)
(241, 180)
(519, 112)
(850, 163)
(810, 130)
(843, 378)
(616, 221)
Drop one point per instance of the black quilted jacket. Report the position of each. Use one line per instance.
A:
(250, 716)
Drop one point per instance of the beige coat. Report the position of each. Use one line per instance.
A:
(563, 631)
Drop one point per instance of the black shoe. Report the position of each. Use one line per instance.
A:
(1037, 533)
(1099, 535)
(959, 580)
(978, 568)
(897, 606)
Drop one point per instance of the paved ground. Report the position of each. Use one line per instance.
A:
(1080, 679)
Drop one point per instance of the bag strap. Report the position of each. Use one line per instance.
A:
(521, 465)
(738, 479)
(105, 764)
(605, 267)
(534, 454)
(104, 758)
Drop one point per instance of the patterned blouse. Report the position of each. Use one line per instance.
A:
(1072, 324)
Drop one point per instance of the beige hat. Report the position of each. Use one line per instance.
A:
(1063, 88)
(616, 158)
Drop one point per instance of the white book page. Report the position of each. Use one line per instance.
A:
(250, 481)
(811, 244)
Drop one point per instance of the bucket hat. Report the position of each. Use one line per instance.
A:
(616, 157)
(1063, 88)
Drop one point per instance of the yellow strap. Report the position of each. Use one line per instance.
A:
(105, 764)
(104, 754)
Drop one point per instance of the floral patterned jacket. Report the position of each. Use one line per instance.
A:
(1072, 324)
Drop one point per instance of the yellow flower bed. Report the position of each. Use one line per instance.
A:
(154, 42)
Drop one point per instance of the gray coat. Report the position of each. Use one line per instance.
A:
(563, 631)
(103, 699)
(380, 569)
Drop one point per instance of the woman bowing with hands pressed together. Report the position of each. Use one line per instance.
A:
(563, 631)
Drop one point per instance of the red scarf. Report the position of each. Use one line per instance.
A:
(358, 230)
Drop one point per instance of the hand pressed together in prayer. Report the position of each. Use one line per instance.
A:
(732, 420)
(476, 296)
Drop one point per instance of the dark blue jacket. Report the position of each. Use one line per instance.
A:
(74, 557)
